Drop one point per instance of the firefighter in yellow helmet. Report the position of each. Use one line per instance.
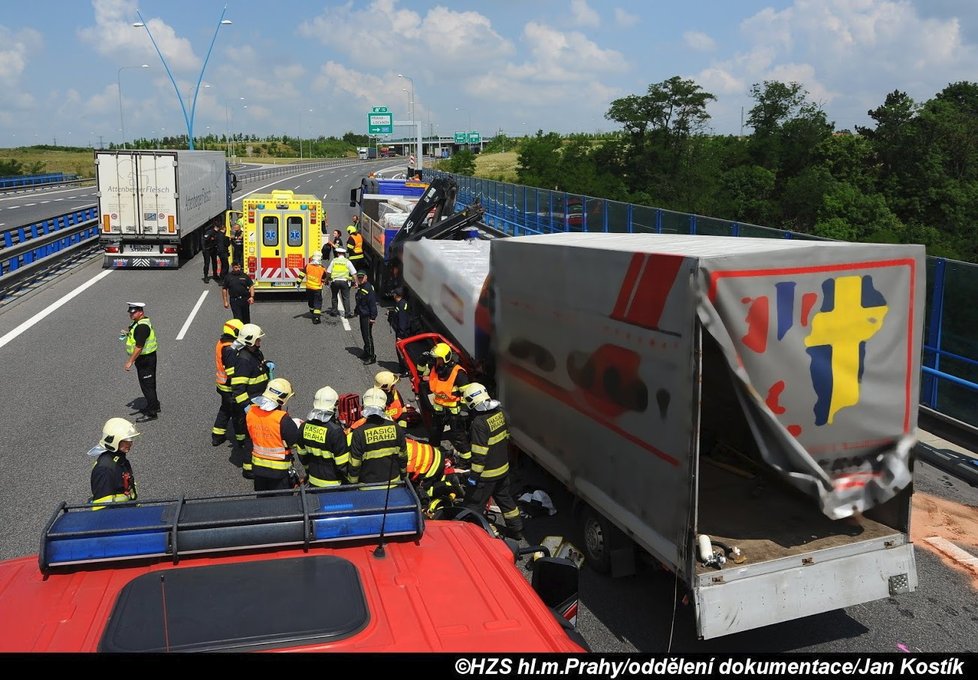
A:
(378, 453)
(489, 473)
(112, 479)
(225, 355)
(273, 434)
(445, 381)
(323, 448)
(354, 245)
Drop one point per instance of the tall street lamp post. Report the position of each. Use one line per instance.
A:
(189, 119)
(122, 120)
(419, 162)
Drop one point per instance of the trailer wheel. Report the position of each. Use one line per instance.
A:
(597, 540)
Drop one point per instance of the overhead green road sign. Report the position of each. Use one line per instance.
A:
(380, 121)
(461, 137)
(475, 138)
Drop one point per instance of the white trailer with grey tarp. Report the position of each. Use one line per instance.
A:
(741, 409)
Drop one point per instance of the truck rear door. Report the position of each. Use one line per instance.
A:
(156, 190)
(282, 246)
(118, 208)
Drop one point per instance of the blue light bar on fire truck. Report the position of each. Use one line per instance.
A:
(86, 534)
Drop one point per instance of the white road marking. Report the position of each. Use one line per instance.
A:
(11, 335)
(193, 313)
(29, 205)
(12, 207)
(346, 322)
(43, 202)
(296, 186)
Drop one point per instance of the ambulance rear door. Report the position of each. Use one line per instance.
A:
(282, 246)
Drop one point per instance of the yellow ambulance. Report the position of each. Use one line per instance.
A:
(282, 231)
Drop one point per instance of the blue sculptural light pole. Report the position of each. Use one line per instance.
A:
(193, 107)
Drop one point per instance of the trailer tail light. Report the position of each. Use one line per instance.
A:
(170, 250)
(112, 249)
(171, 224)
(106, 227)
(252, 262)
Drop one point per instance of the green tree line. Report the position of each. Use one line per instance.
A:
(910, 177)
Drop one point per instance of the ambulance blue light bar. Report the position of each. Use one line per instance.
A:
(85, 534)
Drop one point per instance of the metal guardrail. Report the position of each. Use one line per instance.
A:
(35, 180)
(48, 185)
(23, 246)
(293, 168)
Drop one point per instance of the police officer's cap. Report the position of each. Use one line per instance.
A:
(136, 306)
(361, 273)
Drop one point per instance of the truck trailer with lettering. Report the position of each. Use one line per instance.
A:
(154, 205)
(741, 409)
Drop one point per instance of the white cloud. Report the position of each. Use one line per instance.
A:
(14, 50)
(846, 53)
(582, 15)
(113, 35)
(624, 18)
(698, 40)
(458, 41)
(566, 57)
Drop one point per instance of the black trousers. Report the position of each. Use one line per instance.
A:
(237, 255)
(457, 434)
(272, 483)
(224, 414)
(477, 496)
(367, 331)
(210, 261)
(337, 287)
(240, 309)
(146, 373)
(314, 296)
(223, 255)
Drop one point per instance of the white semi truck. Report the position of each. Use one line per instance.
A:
(740, 409)
(154, 205)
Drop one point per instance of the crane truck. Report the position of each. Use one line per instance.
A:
(742, 410)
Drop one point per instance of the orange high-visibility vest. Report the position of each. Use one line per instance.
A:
(444, 390)
(265, 430)
(221, 376)
(314, 276)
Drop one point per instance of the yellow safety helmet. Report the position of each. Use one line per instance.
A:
(385, 380)
(474, 393)
(116, 430)
(278, 390)
(441, 351)
(232, 327)
(351, 229)
(239, 222)
(374, 398)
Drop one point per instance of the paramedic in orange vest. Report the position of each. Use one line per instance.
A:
(445, 382)
(354, 246)
(314, 275)
(273, 434)
(224, 358)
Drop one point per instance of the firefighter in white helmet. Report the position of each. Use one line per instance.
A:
(251, 375)
(112, 479)
(378, 453)
(323, 448)
(314, 275)
(489, 474)
(387, 381)
(273, 434)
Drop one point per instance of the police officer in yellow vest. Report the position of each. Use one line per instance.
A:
(314, 275)
(273, 434)
(112, 479)
(340, 272)
(140, 339)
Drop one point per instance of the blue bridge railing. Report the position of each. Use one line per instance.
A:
(949, 371)
(35, 180)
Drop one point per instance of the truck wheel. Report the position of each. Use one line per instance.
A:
(598, 536)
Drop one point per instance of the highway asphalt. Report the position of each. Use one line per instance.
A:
(63, 376)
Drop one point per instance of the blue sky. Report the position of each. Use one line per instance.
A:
(510, 65)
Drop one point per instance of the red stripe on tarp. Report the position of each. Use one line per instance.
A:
(567, 398)
(643, 302)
